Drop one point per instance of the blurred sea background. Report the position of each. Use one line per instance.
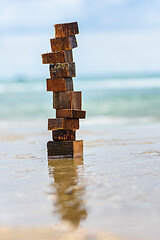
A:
(107, 99)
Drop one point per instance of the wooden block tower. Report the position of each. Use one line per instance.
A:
(66, 101)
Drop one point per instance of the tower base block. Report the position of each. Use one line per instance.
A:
(66, 149)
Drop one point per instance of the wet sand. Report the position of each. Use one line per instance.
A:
(58, 232)
(112, 192)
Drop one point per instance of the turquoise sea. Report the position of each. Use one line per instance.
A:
(107, 100)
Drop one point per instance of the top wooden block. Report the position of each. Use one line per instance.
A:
(66, 29)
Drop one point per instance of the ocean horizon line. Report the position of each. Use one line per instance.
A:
(120, 75)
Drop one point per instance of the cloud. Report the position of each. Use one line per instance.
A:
(20, 16)
(115, 35)
(119, 52)
(6, 16)
(36, 14)
(115, 1)
(112, 52)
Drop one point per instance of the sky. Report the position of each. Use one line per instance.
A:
(116, 36)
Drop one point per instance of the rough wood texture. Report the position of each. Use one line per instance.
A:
(67, 100)
(64, 43)
(63, 123)
(69, 113)
(66, 149)
(62, 70)
(63, 135)
(66, 29)
(57, 57)
(59, 84)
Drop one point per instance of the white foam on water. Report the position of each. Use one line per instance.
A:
(21, 87)
(104, 120)
(121, 84)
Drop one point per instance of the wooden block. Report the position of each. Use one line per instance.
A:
(59, 84)
(62, 70)
(64, 43)
(66, 149)
(66, 29)
(69, 113)
(63, 123)
(67, 100)
(63, 135)
(57, 57)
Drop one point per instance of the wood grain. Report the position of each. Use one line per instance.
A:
(59, 84)
(66, 29)
(64, 43)
(63, 135)
(66, 149)
(63, 123)
(67, 100)
(57, 57)
(69, 113)
(62, 70)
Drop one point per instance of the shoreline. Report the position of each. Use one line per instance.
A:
(58, 232)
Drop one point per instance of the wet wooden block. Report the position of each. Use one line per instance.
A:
(57, 57)
(63, 123)
(63, 43)
(62, 70)
(66, 29)
(63, 135)
(66, 149)
(69, 113)
(67, 100)
(59, 84)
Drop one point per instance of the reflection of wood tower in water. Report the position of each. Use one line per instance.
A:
(69, 194)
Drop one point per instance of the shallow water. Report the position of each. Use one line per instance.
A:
(114, 188)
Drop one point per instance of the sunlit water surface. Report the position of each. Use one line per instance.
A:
(113, 188)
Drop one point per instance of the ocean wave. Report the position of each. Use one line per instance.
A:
(98, 122)
(104, 120)
(83, 84)
(120, 84)
(22, 87)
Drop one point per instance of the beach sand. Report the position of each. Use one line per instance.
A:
(111, 193)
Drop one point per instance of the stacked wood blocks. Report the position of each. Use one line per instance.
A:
(66, 101)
